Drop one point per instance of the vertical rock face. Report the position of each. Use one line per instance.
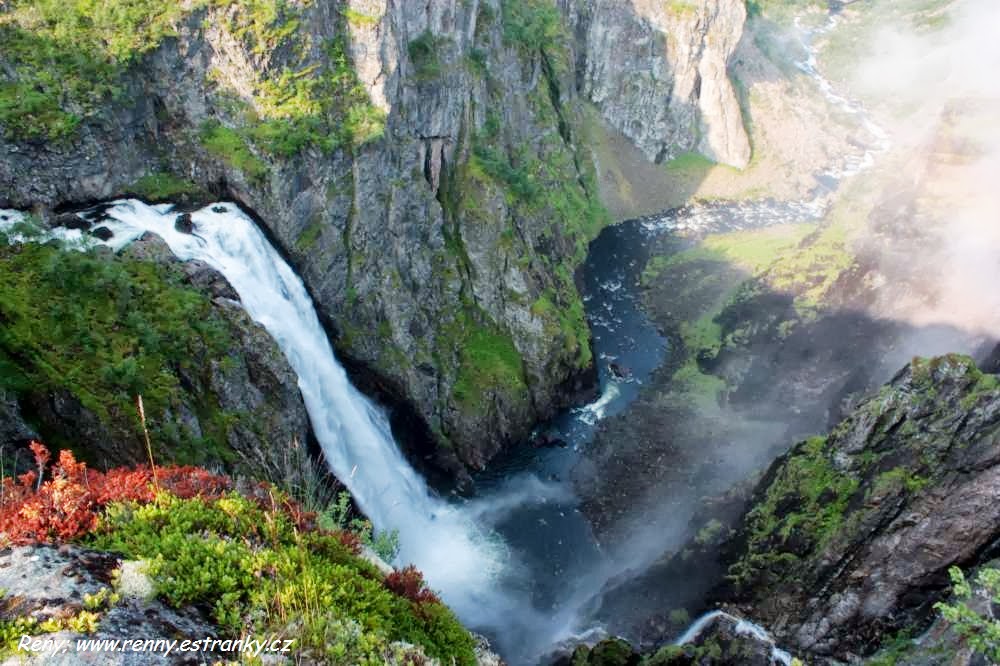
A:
(421, 166)
(657, 72)
(851, 537)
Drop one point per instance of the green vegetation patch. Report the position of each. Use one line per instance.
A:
(488, 362)
(682, 7)
(975, 622)
(802, 508)
(706, 280)
(297, 104)
(163, 186)
(231, 146)
(424, 52)
(260, 575)
(105, 330)
(689, 162)
(532, 25)
(65, 59)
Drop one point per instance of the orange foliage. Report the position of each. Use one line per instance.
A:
(409, 582)
(66, 505)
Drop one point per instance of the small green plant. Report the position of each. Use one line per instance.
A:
(680, 617)
(339, 515)
(532, 25)
(232, 148)
(424, 54)
(709, 533)
(360, 19)
(978, 628)
(162, 186)
(100, 600)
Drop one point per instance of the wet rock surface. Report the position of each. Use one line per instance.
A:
(914, 474)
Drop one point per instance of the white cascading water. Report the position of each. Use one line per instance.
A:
(742, 628)
(460, 560)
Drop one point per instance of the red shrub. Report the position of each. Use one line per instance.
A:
(67, 504)
(350, 541)
(409, 582)
(57, 509)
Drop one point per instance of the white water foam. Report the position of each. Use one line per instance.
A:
(595, 411)
(853, 165)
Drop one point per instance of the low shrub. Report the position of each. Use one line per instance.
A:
(251, 556)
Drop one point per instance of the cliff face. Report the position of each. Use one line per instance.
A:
(423, 165)
(657, 72)
(845, 546)
(851, 537)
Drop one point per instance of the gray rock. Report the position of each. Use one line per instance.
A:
(657, 72)
(926, 463)
(46, 582)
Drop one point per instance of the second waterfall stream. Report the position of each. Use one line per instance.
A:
(467, 564)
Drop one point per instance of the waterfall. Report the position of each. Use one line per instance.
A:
(460, 560)
(741, 627)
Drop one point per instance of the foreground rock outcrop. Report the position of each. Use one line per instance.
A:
(851, 536)
(57, 585)
(849, 543)
(194, 566)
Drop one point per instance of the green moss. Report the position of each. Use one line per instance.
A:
(423, 52)
(986, 386)
(300, 105)
(307, 239)
(258, 574)
(360, 19)
(552, 190)
(229, 145)
(162, 186)
(802, 509)
(66, 58)
(105, 330)
(689, 162)
(532, 25)
(488, 361)
(899, 477)
(708, 534)
(682, 7)
(700, 388)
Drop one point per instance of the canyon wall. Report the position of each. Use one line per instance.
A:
(424, 166)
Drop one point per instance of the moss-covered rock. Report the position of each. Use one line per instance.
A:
(851, 536)
(87, 333)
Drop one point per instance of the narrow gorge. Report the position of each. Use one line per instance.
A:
(621, 333)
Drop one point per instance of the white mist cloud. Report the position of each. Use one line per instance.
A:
(943, 88)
